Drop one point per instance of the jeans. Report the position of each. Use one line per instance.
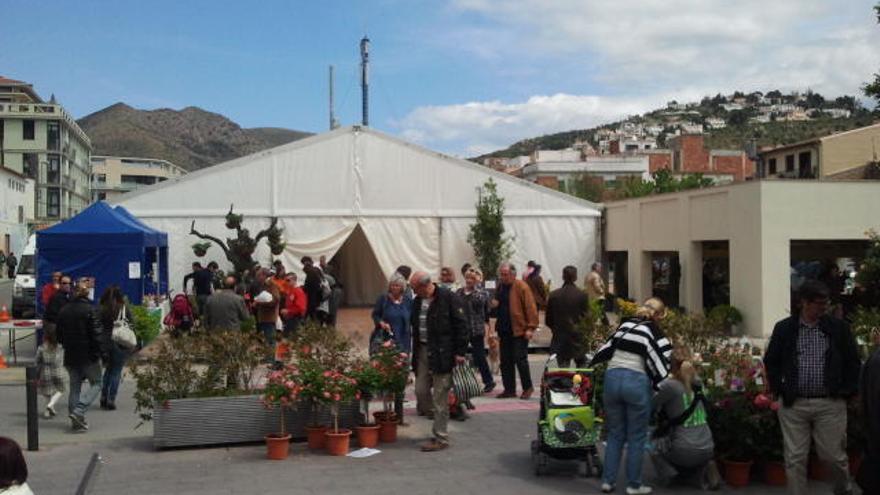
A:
(627, 400)
(478, 351)
(78, 402)
(113, 373)
(515, 357)
(268, 330)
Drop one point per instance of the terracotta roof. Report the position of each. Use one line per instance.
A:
(5, 80)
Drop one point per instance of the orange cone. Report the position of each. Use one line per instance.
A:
(2, 361)
(4, 314)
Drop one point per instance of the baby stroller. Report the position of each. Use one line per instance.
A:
(181, 317)
(567, 426)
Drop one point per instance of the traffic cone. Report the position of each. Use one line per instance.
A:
(2, 361)
(4, 314)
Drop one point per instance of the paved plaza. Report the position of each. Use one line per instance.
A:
(490, 453)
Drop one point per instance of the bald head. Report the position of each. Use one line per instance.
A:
(229, 282)
(421, 284)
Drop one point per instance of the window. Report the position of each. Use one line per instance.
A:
(102, 196)
(20, 214)
(789, 163)
(101, 178)
(771, 166)
(27, 130)
(805, 165)
(53, 209)
(139, 179)
(53, 135)
(53, 169)
(31, 165)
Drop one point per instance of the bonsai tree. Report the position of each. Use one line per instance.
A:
(239, 250)
(282, 390)
(491, 246)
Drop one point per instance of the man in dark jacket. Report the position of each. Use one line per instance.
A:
(312, 287)
(813, 364)
(11, 263)
(868, 476)
(440, 339)
(565, 307)
(85, 345)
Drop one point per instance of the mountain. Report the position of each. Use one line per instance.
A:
(192, 138)
(730, 122)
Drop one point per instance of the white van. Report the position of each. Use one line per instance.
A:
(24, 288)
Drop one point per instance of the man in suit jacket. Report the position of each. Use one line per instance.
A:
(565, 307)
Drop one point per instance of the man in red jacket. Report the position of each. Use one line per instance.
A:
(294, 309)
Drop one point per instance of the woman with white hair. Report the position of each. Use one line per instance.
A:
(391, 316)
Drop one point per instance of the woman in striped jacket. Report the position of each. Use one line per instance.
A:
(638, 360)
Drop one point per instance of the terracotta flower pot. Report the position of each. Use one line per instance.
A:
(337, 443)
(315, 435)
(368, 435)
(774, 473)
(277, 446)
(388, 430)
(380, 416)
(736, 473)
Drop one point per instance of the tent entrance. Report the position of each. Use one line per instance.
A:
(359, 270)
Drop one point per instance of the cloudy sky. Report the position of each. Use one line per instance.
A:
(462, 76)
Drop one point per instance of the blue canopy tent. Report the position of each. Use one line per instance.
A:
(109, 244)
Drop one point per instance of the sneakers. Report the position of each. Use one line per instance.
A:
(642, 490)
(607, 488)
(710, 478)
(111, 406)
(488, 388)
(78, 423)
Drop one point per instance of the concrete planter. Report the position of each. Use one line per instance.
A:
(229, 420)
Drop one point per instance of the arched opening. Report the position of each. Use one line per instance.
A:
(359, 270)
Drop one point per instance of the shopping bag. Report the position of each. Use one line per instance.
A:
(464, 383)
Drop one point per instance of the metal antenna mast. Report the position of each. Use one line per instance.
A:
(365, 86)
(333, 122)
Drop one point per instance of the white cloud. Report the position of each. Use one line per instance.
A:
(643, 52)
(487, 126)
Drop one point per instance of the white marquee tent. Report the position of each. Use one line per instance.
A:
(371, 203)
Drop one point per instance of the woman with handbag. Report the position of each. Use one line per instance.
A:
(683, 444)
(114, 316)
(391, 316)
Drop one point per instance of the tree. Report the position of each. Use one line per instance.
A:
(872, 89)
(738, 118)
(585, 186)
(487, 238)
(240, 249)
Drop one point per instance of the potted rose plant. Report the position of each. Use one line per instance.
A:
(368, 383)
(338, 388)
(391, 365)
(282, 391)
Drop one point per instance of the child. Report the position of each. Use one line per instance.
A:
(50, 363)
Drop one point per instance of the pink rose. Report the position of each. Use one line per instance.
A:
(337, 397)
(326, 395)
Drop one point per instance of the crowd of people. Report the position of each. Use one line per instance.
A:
(9, 263)
(812, 363)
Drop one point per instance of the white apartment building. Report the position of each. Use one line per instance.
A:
(113, 176)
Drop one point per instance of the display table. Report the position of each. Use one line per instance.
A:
(12, 328)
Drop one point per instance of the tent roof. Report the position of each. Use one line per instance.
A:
(351, 171)
(103, 220)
